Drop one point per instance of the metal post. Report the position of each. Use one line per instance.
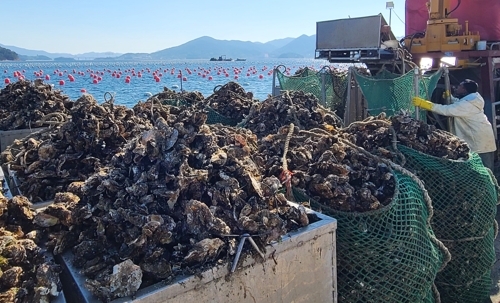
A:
(180, 72)
(348, 109)
(323, 89)
(417, 90)
(274, 83)
(447, 87)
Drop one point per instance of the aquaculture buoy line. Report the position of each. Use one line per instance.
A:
(131, 79)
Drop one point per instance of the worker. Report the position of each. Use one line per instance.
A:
(470, 122)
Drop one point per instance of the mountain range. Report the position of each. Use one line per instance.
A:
(201, 48)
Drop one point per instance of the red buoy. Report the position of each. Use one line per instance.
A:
(95, 81)
(127, 80)
(47, 77)
(83, 90)
(61, 82)
(7, 81)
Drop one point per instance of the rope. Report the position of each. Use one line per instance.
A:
(60, 117)
(285, 150)
(245, 120)
(292, 109)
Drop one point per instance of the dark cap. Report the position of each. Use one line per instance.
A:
(469, 85)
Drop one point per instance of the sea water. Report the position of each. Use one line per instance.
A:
(204, 76)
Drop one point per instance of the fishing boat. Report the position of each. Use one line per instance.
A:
(240, 59)
(221, 58)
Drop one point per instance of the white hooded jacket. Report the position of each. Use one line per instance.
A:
(470, 122)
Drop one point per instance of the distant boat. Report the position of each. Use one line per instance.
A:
(240, 59)
(221, 58)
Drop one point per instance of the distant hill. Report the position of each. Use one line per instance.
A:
(7, 54)
(208, 47)
(32, 54)
(201, 48)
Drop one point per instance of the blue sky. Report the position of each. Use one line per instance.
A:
(78, 26)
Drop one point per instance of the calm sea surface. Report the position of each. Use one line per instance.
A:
(97, 78)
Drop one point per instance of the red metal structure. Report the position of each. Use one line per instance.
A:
(482, 63)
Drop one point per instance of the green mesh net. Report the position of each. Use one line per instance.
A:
(328, 85)
(213, 116)
(464, 197)
(391, 93)
(387, 255)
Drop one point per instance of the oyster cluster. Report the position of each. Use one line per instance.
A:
(301, 109)
(26, 104)
(48, 161)
(231, 101)
(27, 273)
(334, 173)
(146, 194)
(173, 201)
(171, 97)
(378, 135)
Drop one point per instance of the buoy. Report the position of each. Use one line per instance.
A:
(157, 79)
(7, 81)
(127, 80)
(83, 90)
(95, 81)
(260, 76)
(184, 79)
(210, 77)
(61, 82)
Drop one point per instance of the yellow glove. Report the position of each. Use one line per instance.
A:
(446, 94)
(422, 103)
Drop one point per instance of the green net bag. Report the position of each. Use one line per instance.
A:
(463, 193)
(390, 254)
(391, 93)
(214, 117)
(475, 291)
(174, 102)
(466, 278)
(464, 197)
(328, 85)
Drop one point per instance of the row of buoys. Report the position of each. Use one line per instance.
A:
(97, 75)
